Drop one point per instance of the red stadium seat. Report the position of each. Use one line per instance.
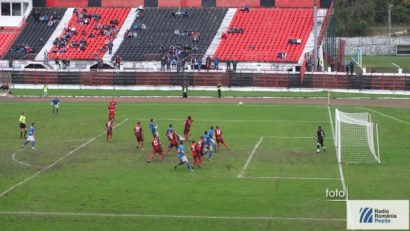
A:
(269, 31)
(96, 43)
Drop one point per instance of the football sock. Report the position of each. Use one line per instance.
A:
(209, 154)
(189, 166)
(26, 142)
(33, 143)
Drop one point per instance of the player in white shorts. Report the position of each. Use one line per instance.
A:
(182, 157)
(30, 137)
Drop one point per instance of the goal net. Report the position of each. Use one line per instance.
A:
(356, 138)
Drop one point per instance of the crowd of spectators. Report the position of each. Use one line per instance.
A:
(51, 20)
(23, 48)
(66, 41)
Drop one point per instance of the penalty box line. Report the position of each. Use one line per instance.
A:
(135, 215)
(240, 175)
(55, 162)
(248, 161)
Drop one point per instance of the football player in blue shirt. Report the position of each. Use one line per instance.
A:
(211, 135)
(30, 137)
(182, 157)
(153, 127)
(55, 103)
(169, 129)
(207, 140)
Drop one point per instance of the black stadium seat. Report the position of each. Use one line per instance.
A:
(35, 34)
(160, 31)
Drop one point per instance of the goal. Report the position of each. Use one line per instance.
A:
(356, 138)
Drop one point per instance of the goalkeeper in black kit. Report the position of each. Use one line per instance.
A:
(320, 135)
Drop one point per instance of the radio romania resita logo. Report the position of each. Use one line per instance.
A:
(366, 215)
(378, 214)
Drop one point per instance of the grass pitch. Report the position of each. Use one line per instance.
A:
(109, 186)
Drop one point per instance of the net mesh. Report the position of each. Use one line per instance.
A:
(355, 138)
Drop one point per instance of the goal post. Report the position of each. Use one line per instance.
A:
(356, 137)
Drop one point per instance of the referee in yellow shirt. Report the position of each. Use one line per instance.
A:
(23, 127)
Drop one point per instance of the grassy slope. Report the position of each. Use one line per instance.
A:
(52, 92)
(114, 178)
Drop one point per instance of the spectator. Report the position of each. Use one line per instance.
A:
(184, 90)
(234, 64)
(168, 63)
(219, 87)
(216, 63)
(199, 63)
(36, 15)
(28, 49)
(110, 45)
(174, 62)
(245, 8)
(228, 65)
(163, 63)
(57, 62)
(179, 63)
(281, 55)
(117, 62)
(351, 67)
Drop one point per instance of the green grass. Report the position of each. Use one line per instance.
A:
(114, 177)
(115, 93)
(384, 63)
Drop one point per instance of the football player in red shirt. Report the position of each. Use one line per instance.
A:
(109, 126)
(219, 138)
(172, 141)
(139, 135)
(196, 156)
(157, 148)
(111, 114)
(200, 146)
(113, 102)
(187, 127)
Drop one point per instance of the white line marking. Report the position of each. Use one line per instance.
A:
(387, 116)
(84, 214)
(293, 137)
(55, 162)
(289, 178)
(339, 165)
(250, 157)
(342, 178)
(13, 156)
(247, 120)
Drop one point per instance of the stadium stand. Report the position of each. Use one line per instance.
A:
(7, 36)
(165, 30)
(38, 28)
(267, 35)
(95, 30)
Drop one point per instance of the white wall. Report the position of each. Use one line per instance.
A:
(15, 21)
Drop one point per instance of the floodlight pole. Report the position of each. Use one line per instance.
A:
(389, 19)
(315, 39)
